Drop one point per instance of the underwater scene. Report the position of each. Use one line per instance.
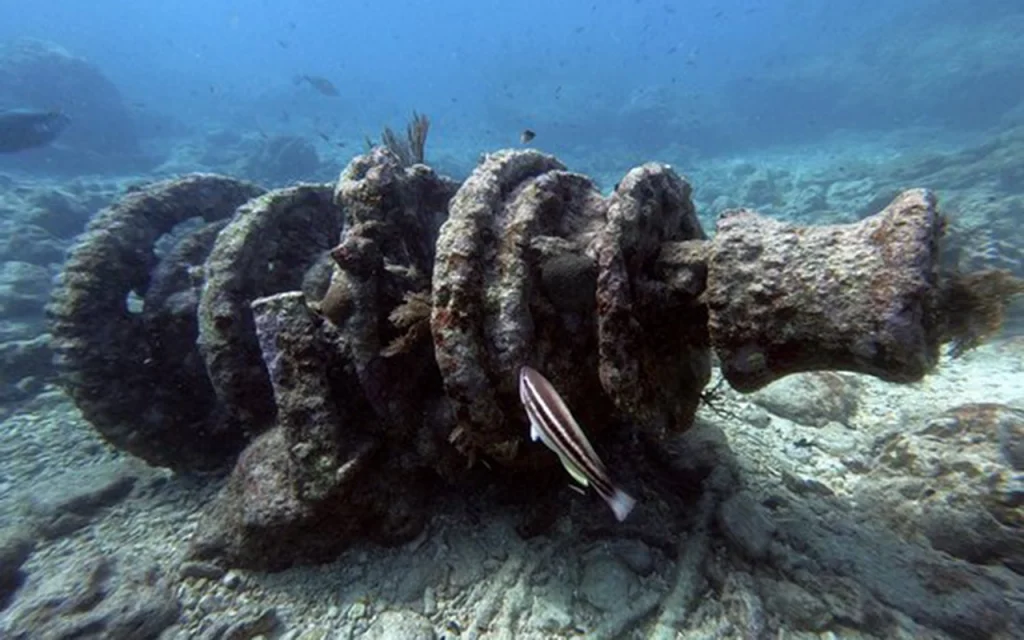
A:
(478, 319)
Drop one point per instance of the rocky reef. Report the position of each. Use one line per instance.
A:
(353, 349)
(38, 221)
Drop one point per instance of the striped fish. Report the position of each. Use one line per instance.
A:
(552, 423)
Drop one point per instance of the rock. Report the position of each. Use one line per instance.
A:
(811, 399)
(210, 604)
(806, 485)
(24, 289)
(756, 416)
(550, 615)
(744, 608)
(21, 360)
(231, 580)
(400, 625)
(849, 561)
(414, 581)
(60, 212)
(952, 482)
(429, 601)
(25, 242)
(636, 555)
(809, 203)
(1011, 437)
(71, 500)
(256, 519)
(607, 582)
(759, 190)
(701, 454)
(253, 626)
(746, 525)
(94, 597)
(795, 604)
(16, 545)
(467, 563)
(205, 570)
(842, 441)
(313, 633)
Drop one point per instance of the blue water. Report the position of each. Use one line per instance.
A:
(636, 79)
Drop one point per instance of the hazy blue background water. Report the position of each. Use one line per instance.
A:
(640, 78)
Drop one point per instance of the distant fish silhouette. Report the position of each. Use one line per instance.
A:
(526, 136)
(321, 84)
(22, 129)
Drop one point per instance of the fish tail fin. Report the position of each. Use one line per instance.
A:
(621, 503)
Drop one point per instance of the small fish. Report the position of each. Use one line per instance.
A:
(526, 136)
(322, 85)
(552, 423)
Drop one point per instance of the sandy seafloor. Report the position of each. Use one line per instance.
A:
(468, 575)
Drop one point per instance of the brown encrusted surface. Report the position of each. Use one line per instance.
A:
(464, 296)
(108, 355)
(393, 214)
(859, 297)
(268, 247)
(535, 266)
(652, 327)
(324, 474)
(360, 420)
(299, 360)
(261, 522)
